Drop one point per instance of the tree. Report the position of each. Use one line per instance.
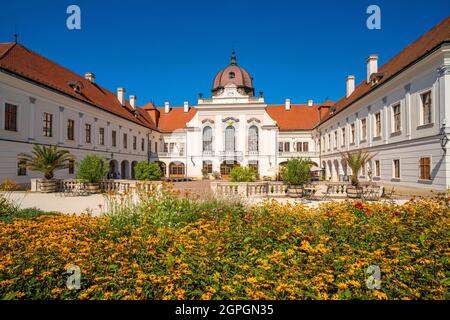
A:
(91, 169)
(296, 172)
(356, 160)
(148, 171)
(46, 160)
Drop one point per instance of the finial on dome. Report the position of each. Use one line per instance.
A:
(233, 58)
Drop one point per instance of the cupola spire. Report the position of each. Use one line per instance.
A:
(233, 58)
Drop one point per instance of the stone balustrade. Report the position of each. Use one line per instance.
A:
(249, 189)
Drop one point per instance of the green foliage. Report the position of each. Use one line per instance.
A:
(9, 211)
(91, 169)
(147, 171)
(46, 160)
(243, 174)
(356, 160)
(296, 172)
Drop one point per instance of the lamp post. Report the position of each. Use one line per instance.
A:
(443, 137)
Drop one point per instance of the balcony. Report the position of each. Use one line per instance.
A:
(294, 154)
(252, 153)
(167, 154)
(208, 153)
(231, 155)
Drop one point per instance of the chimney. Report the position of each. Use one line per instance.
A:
(133, 102)
(167, 107)
(350, 85)
(287, 104)
(372, 65)
(121, 96)
(186, 106)
(90, 76)
(310, 103)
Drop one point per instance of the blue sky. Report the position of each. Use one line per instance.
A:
(171, 50)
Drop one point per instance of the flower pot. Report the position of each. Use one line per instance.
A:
(295, 192)
(93, 188)
(354, 192)
(48, 185)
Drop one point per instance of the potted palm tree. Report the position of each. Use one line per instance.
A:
(91, 170)
(46, 160)
(355, 160)
(295, 174)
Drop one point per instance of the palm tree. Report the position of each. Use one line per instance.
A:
(356, 160)
(46, 160)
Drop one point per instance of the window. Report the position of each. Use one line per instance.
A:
(396, 173)
(101, 136)
(363, 129)
(48, 125)
(299, 147)
(397, 120)
(207, 139)
(71, 167)
(70, 129)
(172, 147)
(378, 124)
(166, 147)
(426, 107)
(207, 167)
(176, 169)
(125, 141)
(335, 140)
(377, 168)
(181, 148)
(253, 138)
(230, 139)
(114, 138)
(287, 147)
(10, 117)
(142, 144)
(21, 168)
(156, 146)
(343, 137)
(305, 146)
(87, 128)
(352, 133)
(329, 142)
(425, 168)
(134, 142)
(232, 75)
(280, 146)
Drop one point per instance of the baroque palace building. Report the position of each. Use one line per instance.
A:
(400, 113)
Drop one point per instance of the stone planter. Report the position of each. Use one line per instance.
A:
(93, 188)
(354, 192)
(295, 192)
(48, 185)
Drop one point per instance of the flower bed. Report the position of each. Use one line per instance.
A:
(224, 251)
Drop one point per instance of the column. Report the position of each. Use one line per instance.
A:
(80, 129)
(408, 110)
(32, 120)
(385, 121)
(61, 126)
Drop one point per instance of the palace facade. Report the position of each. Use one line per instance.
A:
(400, 113)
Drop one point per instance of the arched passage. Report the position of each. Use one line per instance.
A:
(113, 172)
(177, 169)
(124, 169)
(133, 165)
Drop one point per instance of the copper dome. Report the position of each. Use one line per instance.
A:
(233, 74)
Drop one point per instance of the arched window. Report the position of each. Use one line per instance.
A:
(230, 139)
(207, 139)
(253, 138)
(232, 75)
(176, 169)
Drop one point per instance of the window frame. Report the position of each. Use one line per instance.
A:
(70, 130)
(87, 133)
(421, 108)
(393, 118)
(421, 177)
(378, 128)
(363, 131)
(47, 124)
(16, 122)
(101, 136)
(394, 169)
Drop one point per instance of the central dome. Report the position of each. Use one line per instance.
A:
(233, 74)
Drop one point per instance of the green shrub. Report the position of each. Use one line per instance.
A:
(296, 172)
(243, 174)
(148, 171)
(91, 169)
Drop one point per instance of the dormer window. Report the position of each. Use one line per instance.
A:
(232, 75)
(77, 86)
(375, 78)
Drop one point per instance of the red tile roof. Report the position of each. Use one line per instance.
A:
(18, 60)
(175, 119)
(419, 48)
(300, 117)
